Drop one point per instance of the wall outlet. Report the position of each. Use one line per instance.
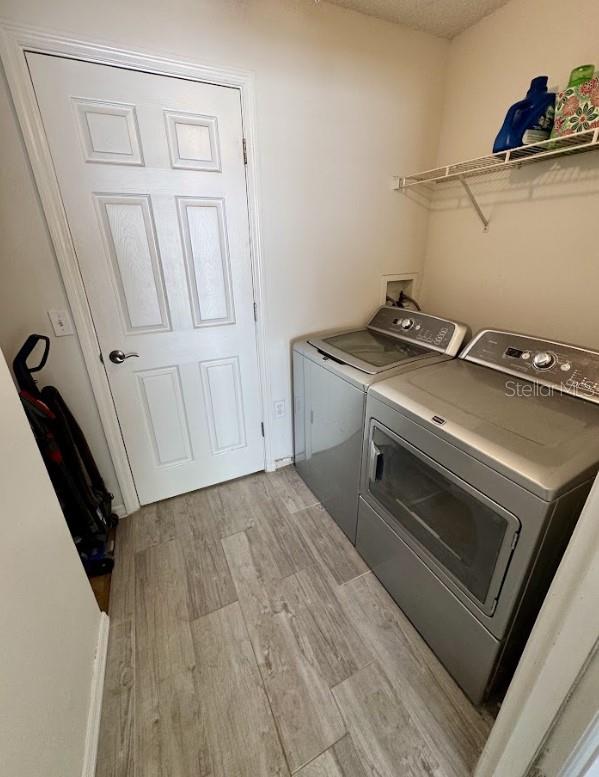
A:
(279, 406)
(61, 322)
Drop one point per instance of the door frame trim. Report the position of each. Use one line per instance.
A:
(15, 41)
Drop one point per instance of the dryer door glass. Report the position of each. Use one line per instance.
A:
(465, 535)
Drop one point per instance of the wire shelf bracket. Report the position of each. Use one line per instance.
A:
(475, 205)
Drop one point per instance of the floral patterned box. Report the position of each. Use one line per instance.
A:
(577, 109)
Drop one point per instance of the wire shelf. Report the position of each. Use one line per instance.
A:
(577, 143)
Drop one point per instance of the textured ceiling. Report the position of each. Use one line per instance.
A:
(439, 17)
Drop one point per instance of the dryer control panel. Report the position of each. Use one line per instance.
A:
(439, 334)
(559, 366)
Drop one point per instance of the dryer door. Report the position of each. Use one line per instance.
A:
(460, 534)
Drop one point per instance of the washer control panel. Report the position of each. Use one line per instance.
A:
(565, 368)
(439, 334)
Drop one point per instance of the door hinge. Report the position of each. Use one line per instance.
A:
(255, 311)
(262, 428)
(245, 151)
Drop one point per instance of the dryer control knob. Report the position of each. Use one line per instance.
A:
(543, 360)
(407, 323)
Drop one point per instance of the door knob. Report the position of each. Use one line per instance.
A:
(118, 357)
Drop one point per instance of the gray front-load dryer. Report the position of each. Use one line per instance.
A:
(331, 374)
(474, 475)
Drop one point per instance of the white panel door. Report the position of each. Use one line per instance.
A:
(152, 177)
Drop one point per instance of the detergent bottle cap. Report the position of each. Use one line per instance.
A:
(538, 84)
(581, 74)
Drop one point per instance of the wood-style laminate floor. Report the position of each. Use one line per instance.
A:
(248, 639)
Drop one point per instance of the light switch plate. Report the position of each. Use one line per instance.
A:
(61, 322)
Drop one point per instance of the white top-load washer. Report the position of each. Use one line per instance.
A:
(331, 374)
(474, 474)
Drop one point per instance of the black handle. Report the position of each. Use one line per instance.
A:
(22, 370)
(26, 349)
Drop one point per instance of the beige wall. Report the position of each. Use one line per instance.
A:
(343, 102)
(536, 270)
(49, 620)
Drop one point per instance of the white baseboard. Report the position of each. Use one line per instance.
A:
(92, 734)
(280, 463)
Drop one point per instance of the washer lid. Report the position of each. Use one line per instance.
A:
(394, 336)
(545, 441)
(368, 351)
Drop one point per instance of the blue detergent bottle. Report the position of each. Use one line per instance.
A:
(530, 120)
